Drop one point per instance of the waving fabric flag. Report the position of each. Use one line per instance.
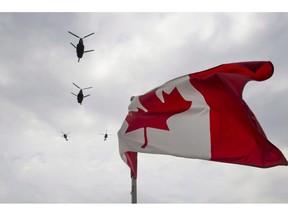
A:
(201, 115)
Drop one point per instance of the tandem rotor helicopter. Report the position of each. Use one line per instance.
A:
(80, 96)
(80, 46)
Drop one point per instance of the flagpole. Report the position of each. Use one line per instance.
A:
(133, 179)
(133, 190)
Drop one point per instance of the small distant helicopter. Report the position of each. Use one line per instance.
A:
(80, 95)
(80, 46)
(65, 135)
(105, 135)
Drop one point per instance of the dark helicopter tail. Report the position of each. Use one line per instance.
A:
(78, 59)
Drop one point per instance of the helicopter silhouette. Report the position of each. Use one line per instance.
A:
(65, 135)
(80, 95)
(80, 46)
(105, 135)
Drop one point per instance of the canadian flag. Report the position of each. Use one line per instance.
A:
(201, 115)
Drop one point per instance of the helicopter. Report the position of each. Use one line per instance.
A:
(80, 95)
(80, 46)
(65, 135)
(105, 135)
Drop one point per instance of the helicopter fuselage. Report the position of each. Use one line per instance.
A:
(80, 49)
(80, 96)
(65, 136)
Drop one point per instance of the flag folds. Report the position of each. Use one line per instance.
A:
(200, 115)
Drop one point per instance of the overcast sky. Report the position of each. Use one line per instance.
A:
(134, 52)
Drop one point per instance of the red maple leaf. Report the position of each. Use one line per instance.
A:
(157, 111)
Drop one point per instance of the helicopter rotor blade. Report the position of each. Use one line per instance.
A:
(87, 88)
(65, 133)
(86, 95)
(88, 51)
(73, 45)
(73, 94)
(76, 85)
(74, 34)
(88, 35)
